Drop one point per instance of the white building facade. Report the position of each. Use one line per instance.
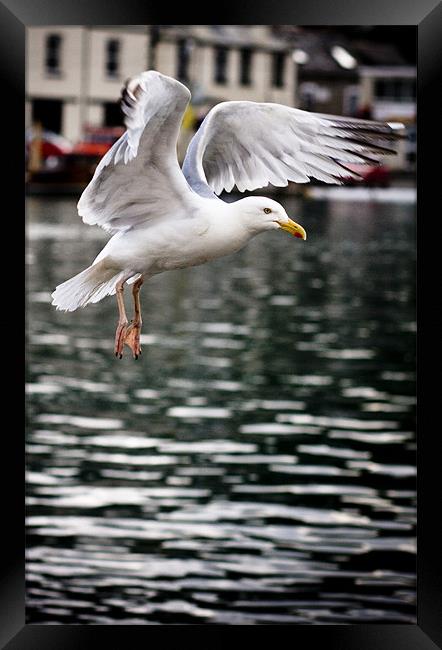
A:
(230, 63)
(74, 74)
(391, 94)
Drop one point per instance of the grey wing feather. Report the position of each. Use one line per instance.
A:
(139, 177)
(251, 144)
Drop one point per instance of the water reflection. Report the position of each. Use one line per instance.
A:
(258, 465)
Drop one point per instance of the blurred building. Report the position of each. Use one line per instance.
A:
(75, 73)
(390, 94)
(228, 62)
(351, 72)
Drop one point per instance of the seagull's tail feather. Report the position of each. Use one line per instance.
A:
(91, 285)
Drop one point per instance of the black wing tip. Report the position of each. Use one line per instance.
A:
(129, 95)
(382, 130)
(390, 129)
(370, 145)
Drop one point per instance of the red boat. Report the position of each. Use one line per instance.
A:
(71, 168)
(97, 141)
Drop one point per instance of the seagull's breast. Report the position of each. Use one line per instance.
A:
(196, 241)
(177, 241)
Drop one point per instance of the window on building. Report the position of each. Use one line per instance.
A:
(48, 112)
(245, 62)
(278, 66)
(112, 59)
(183, 59)
(397, 90)
(221, 56)
(112, 114)
(53, 54)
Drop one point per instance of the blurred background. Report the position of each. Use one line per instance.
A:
(257, 464)
(75, 75)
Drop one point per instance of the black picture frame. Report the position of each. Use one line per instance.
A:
(15, 16)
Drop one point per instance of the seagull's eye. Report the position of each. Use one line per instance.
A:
(267, 210)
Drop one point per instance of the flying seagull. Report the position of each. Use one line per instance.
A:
(162, 217)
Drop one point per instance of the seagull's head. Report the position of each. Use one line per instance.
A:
(259, 213)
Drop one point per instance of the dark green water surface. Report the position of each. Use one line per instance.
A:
(257, 464)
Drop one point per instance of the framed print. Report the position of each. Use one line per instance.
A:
(259, 463)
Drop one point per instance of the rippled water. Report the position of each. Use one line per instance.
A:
(257, 464)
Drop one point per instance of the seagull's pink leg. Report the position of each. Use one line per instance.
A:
(120, 334)
(133, 331)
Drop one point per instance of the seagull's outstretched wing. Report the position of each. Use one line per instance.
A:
(250, 145)
(139, 177)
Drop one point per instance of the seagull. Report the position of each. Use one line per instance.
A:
(163, 217)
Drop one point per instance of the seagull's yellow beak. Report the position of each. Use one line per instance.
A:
(293, 228)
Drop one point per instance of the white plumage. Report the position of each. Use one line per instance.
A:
(162, 217)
